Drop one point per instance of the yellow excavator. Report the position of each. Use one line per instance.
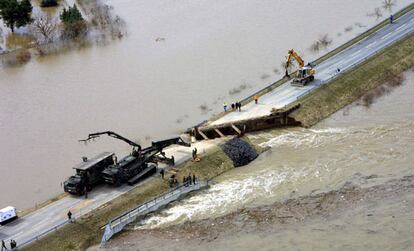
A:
(304, 75)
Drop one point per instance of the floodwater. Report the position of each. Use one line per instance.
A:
(353, 144)
(178, 55)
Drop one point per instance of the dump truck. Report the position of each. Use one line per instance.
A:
(88, 173)
(304, 75)
(138, 165)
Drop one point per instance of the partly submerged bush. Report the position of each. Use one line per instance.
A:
(48, 3)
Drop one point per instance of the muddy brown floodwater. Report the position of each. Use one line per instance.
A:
(178, 56)
(346, 184)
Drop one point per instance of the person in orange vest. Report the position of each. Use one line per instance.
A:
(256, 99)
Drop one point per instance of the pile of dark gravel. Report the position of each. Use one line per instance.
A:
(239, 151)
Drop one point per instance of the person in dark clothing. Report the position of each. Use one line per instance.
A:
(171, 182)
(232, 106)
(13, 244)
(391, 19)
(69, 216)
(162, 173)
(189, 179)
(239, 106)
(185, 181)
(194, 179)
(3, 245)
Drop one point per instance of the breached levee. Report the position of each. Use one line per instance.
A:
(239, 151)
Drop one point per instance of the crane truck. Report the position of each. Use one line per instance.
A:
(141, 163)
(304, 75)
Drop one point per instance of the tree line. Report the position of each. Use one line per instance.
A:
(18, 13)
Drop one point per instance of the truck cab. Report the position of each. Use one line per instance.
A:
(88, 173)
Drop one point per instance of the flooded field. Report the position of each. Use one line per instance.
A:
(175, 68)
(344, 184)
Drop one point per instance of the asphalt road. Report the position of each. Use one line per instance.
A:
(345, 60)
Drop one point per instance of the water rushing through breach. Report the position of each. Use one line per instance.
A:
(178, 55)
(346, 147)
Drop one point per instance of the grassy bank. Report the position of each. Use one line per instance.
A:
(85, 231)
(352, 85)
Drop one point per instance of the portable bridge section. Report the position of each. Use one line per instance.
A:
(278, 118)
(117, 224)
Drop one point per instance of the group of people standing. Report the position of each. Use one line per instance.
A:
(187, 181)
(237, 106)
(234, 106)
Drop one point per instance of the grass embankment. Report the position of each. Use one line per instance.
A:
(85, 232)
(354, 84)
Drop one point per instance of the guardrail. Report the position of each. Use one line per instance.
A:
(117, 224)
(52, 229)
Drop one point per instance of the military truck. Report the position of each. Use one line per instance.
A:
(88, 173)
(140, 164)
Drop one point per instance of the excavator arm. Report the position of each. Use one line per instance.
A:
(113, 135)
(293, 54)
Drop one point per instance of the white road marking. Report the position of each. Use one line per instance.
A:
(371, 44)
(355, 53)
(402, 26)
(387, 35)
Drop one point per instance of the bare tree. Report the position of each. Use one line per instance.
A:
(44, 28)
(377, 13)
(388, 4)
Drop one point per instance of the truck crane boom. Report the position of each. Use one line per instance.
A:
(113, 135)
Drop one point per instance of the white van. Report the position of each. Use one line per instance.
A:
(7, 214)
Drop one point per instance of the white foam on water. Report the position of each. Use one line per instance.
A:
(305, 137)
(222, 198)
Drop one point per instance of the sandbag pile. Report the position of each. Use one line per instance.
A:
(239, 151)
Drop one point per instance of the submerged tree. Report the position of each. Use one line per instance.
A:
(71, 15)
(15, 14)
(73, 22)
(44, 27)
